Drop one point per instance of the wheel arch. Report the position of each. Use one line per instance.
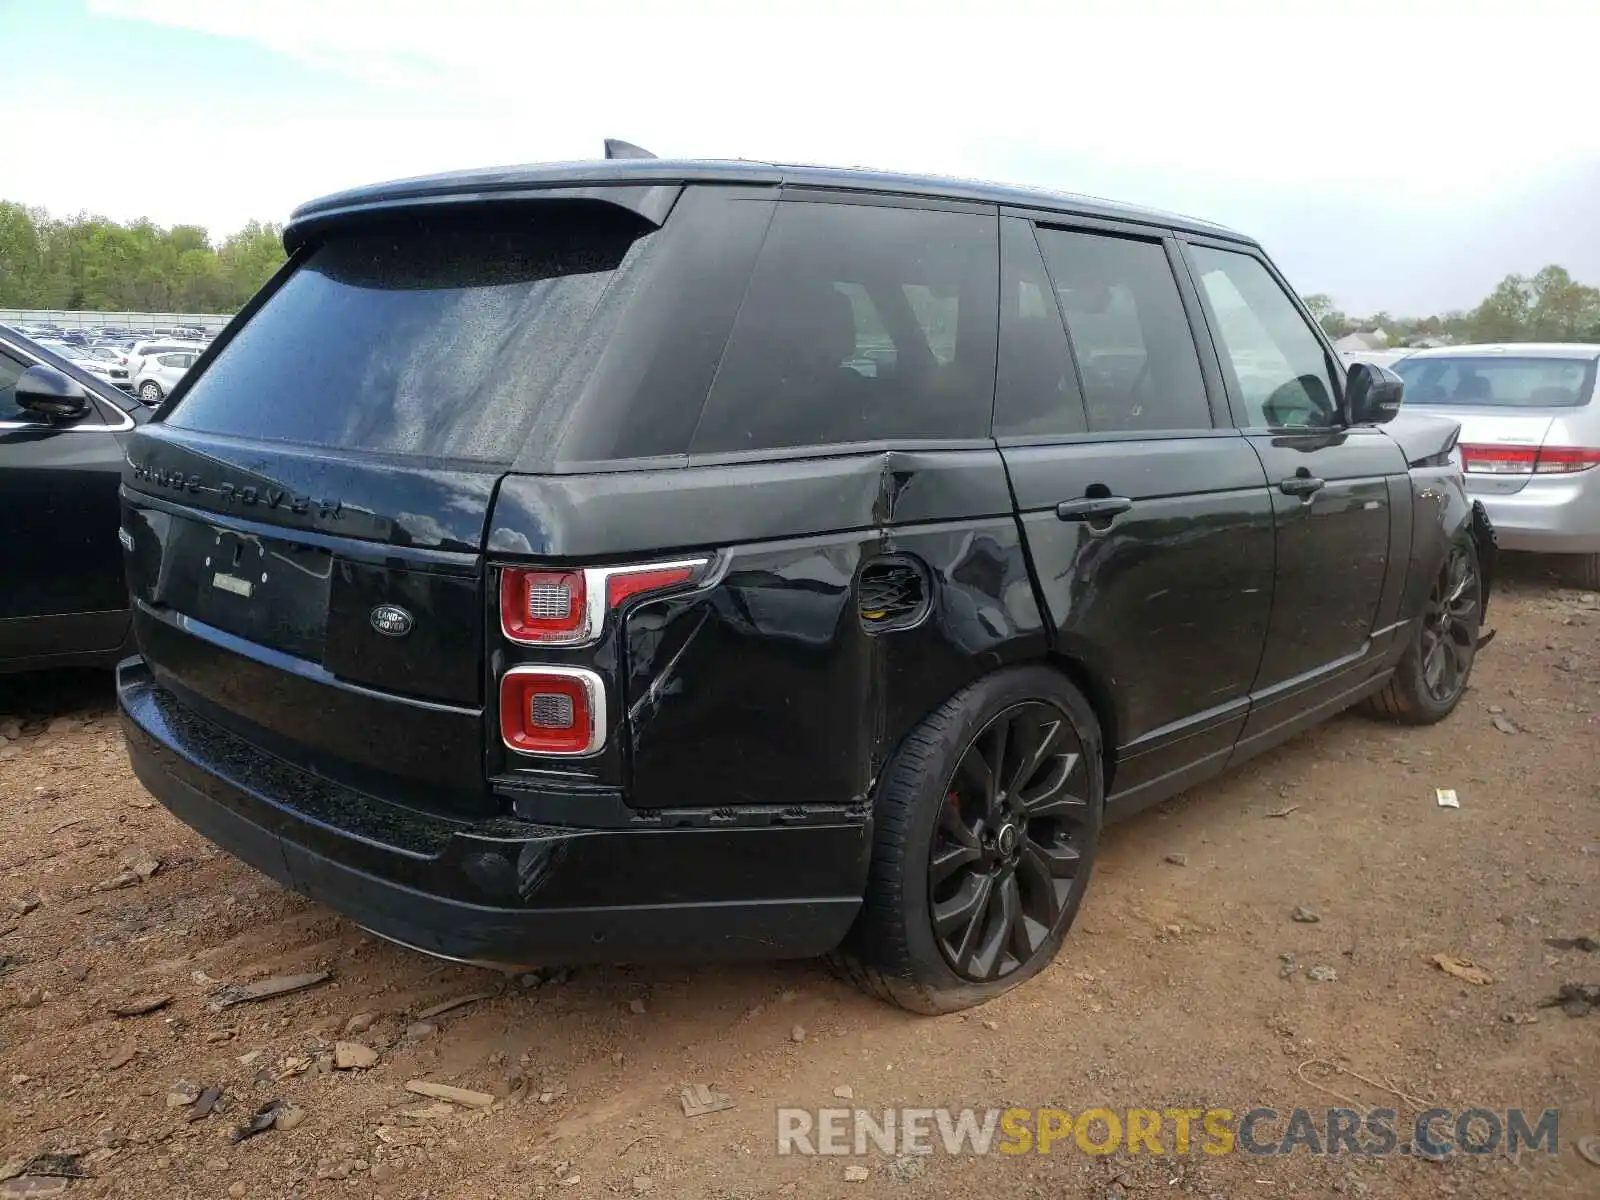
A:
(1099, 695)
(1094, 689)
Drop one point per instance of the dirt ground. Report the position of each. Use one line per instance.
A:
(1185, 983)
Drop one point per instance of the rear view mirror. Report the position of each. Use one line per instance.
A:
(1372, 393)
(48, 393)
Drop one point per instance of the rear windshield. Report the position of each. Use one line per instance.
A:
(1498, 382)
(429, 339)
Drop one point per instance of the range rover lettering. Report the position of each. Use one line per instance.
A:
(792, 561)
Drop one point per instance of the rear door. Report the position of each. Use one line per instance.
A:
(1146, 514)
(1340, 494)
(307, 516)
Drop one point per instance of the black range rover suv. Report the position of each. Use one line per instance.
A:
(702, 560)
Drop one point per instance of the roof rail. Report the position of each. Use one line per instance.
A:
(617, 148)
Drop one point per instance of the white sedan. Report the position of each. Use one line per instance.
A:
(159, 374)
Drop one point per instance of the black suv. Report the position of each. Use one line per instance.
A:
(641, 559)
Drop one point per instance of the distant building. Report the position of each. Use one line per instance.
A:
(1361, 340)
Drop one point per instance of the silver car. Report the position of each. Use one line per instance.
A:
(144, 349)
(160, 373)
(1530, 439)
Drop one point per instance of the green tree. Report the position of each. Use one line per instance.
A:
(1503, 315)
(21, 255)
(1322, 309)
(89, 262)
(1562, 309)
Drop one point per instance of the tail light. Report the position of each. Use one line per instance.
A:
(1565, 460)
(1499, 460)
(542, 607)
(1526, 460)
(552, 711)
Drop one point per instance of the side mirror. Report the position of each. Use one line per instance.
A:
(1372, 393)
(48, 393)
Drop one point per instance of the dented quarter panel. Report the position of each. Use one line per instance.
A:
(646, 512)
(764, 689)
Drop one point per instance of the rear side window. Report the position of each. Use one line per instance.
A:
(438, 339)
(1498, 382)
(1037, 393)
(1134, 350)
(862, 323)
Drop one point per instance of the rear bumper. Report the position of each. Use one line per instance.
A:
(1553, 514)
(497, 890)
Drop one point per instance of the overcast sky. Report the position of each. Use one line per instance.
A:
(1400, 154)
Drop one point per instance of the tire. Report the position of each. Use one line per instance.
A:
(150, 393)
(932, 798)
(1586, 571)
(1425, 689)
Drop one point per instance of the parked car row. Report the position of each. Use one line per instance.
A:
(145, 363)
(91, 335)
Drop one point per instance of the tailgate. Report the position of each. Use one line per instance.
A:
(301, 602)
(305, 519)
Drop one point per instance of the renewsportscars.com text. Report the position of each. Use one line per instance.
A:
(1435, 1133)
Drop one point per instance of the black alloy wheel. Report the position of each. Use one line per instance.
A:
(1431, 676)
(1450, 627)
(1009, 842)
(985, 825)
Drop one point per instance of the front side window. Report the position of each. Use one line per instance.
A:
(861, 323)
(1280, 370)
(1130, 335)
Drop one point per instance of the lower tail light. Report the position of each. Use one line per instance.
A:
(552, 710)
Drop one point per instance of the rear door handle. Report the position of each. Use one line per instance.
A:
(1098, 508)
(1301, 485)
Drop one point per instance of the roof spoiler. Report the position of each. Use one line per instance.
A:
(617, 148)
(650, 202)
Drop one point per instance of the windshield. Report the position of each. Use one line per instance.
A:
(1483, 382)
(431, 339)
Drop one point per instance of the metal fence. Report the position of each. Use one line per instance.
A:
(143, 321)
